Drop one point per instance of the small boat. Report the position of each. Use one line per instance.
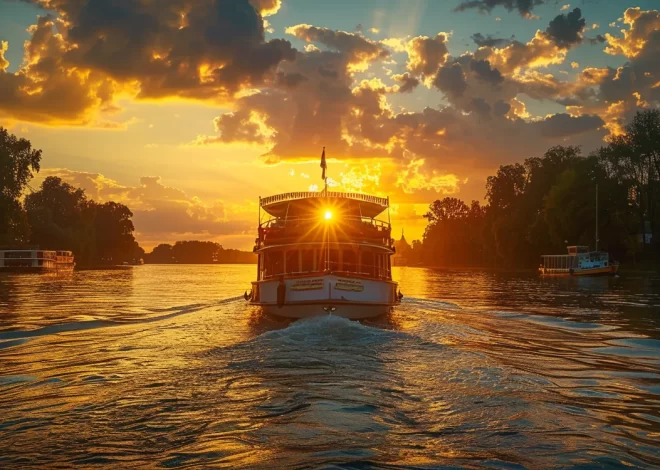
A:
(323, 253)
(36, 261)
(578, 262)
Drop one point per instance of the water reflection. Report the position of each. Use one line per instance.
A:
(167, 366)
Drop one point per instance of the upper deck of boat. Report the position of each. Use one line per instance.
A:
(303, 203)
(323, 217)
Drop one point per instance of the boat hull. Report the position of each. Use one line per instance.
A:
(604, 271)
(66, 268)
(304, 297)
(351, 311)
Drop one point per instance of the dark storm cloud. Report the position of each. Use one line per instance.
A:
(599, 39)
(485, 73)
(501, 108)
(490, 41)
(200, 49)
(451, 80)
(566, 30)
(290, 79)
(164, 44)
(524, 7)
(407, 83)
(481, 107)
(562, 125)
(354, 45)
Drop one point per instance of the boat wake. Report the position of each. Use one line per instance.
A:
(165, 314)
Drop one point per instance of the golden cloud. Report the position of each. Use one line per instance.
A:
(162, 213)
(4, 63)
(641, 25)
(76, 66)
(426, 55)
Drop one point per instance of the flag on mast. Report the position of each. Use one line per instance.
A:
(323, 164)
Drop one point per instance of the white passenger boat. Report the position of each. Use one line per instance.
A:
(36, 261)
(324, 253)
(578, 262)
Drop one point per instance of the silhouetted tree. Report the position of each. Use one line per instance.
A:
(114, 233)
(536, 207)
(18, 161)
(453, 236)
(160, 254)
(62, 218)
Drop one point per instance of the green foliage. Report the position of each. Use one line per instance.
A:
(18, 161)
(62, 218)
(547, 202)
(453, 235)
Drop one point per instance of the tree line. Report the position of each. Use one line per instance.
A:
(198, 252)
(561, 198)
(59, 216)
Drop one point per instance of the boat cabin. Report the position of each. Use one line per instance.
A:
(305, 233)
(28, 259)
(35, 260)
(579, 258)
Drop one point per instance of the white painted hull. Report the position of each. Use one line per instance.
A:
(351, 311)
(352, 298)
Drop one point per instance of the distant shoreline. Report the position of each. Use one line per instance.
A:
(110, 267)
(622, 270)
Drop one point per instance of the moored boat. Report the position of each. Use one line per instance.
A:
(578, 262)
(36, 261)
(324, 253)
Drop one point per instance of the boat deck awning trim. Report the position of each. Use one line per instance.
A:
(370, 206)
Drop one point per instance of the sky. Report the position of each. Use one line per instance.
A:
(188, 110)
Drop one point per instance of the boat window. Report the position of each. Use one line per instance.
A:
(349, 261)
(307, 261)
(320, 260)
(382, 265)
(273, 263)
(368, 264)
(292, 265)
(334, 260)
(18, 254)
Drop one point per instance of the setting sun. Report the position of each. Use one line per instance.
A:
(377, 233)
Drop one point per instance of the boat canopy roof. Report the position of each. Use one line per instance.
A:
(578, 249)
(300, 204)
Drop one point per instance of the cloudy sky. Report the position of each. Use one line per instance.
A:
(189, 110)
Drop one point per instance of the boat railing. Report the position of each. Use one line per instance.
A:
(377, 272)
(359, 229)
(266, 201)
(45, 256)
(284, 222)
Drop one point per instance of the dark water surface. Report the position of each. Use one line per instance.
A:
(165, 367)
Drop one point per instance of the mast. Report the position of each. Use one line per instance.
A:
(327, 229)
(596, 216)
(259, 242)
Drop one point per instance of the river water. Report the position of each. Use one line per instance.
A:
(166, 367)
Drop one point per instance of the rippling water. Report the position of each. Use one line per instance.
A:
(166, 367)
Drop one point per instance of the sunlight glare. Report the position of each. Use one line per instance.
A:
(328, 215)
